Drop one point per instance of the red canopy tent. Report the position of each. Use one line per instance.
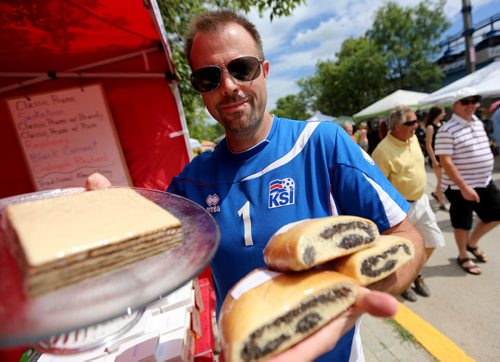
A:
(48, 45)
(58, 44)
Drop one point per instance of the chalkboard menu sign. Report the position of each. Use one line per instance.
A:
(66, 135)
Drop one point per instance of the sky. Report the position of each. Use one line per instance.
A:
(316, 30)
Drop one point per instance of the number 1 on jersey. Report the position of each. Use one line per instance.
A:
(244, 212)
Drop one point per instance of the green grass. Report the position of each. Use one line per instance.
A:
(403, 334)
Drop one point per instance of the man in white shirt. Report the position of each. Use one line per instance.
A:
(466, 157)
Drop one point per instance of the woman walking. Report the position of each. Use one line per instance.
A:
(433, 123)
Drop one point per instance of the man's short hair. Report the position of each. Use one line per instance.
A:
(347, 125)
(398, 116)
(214, 20)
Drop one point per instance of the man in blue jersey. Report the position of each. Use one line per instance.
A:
(269, 172)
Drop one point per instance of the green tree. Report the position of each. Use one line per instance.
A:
(344, 86)
(396, 53)
(291, 106)
(176, 14)
(409, 38)
(203, 129)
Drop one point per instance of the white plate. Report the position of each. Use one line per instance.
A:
(24, 320)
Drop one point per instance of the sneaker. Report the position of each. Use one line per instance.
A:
(421, 288)
(409, 295)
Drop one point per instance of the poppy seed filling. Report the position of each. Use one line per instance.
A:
(350, 240)
(303, 317)
(309, 255)
(369, 263)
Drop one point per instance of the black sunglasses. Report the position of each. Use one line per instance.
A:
(409, 123)
(467, 101)
(244, 69)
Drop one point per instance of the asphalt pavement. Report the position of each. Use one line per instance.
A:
(459, 321)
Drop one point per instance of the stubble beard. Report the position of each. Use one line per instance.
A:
(242, 124)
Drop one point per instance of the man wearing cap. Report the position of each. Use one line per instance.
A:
(466, 157)
(401, 160)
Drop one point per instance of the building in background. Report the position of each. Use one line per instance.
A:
(486, 38)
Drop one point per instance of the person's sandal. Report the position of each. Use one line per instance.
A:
(479, 254)
(471, 268)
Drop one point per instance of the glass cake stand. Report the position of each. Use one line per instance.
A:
(109, 296)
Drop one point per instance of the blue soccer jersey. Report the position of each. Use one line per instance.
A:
(301, 170)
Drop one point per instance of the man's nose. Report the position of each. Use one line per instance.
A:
(228, 84)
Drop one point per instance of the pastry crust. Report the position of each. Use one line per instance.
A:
(367, 266)
(311, 242)
(270, 317)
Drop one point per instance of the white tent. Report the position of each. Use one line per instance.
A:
(486, 81)
(399, 97)
(318, 116)
(194, 143)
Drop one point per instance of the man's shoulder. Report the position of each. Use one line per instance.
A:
(451, 123)
(384, 144)
(287, 122)
(382, 150)
(290, 129)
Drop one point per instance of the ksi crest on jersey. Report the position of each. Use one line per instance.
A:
(281, 193)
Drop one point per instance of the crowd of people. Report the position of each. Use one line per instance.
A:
(461, 154)
(322, 171)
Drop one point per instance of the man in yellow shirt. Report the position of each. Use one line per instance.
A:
(400, 158)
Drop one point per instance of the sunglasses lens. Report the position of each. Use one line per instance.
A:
(410, 123)
(206, 79)
(244, 69)
(467, 101)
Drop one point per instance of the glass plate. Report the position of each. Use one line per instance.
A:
(95, 300)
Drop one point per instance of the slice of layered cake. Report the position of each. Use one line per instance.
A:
(65, 239)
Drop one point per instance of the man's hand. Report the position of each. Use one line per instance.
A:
(469, 193)
(375, 303)
(96, 181)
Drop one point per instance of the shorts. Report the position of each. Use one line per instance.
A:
(423, 218)
(487, 209)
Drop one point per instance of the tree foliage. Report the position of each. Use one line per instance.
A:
(396, 53)
(291, 106)
(354, 80)
(176, 15)
(409, 39)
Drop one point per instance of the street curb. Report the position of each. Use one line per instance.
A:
(436, 343)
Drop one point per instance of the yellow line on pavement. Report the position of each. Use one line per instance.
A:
(436, 343)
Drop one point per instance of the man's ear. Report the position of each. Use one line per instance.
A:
(265, 68)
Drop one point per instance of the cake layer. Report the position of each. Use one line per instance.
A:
(54, 279)
(68, 238)
(63, 226)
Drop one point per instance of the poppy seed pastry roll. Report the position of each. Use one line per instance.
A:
(267, 312)
(308, 243)
(367, 266)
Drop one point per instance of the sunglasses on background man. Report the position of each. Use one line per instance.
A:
(472, 100)
(409, 123)
(243, 69)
